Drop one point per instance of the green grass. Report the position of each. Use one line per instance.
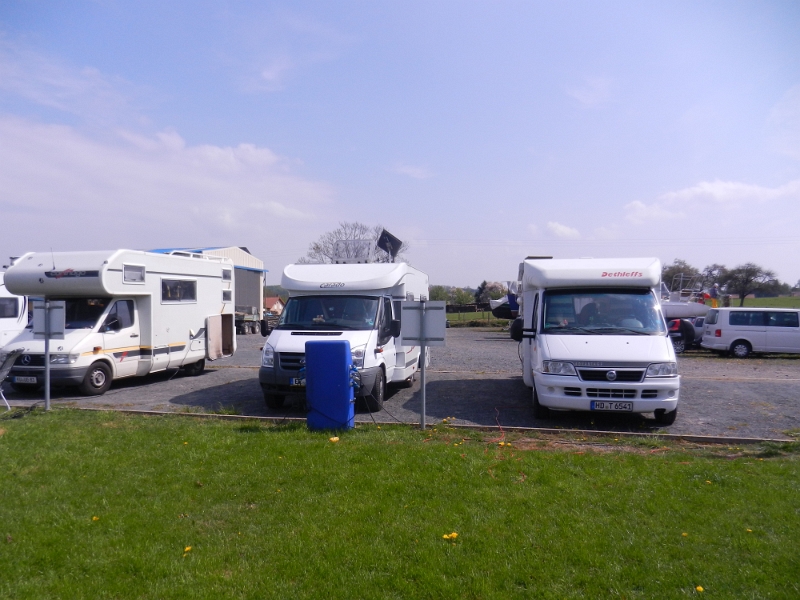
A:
(105, 505)
(779, 302)
(475, 319)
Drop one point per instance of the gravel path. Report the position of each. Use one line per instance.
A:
(477, 380)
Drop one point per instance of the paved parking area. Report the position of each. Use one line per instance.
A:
(477, 380)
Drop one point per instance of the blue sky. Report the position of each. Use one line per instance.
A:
(478, 132)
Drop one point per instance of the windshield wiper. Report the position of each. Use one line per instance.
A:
(625, 329)
(569, 329)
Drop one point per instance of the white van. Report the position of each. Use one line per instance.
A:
(13, 314)
(355, 302)
(742, 331)
(127, 313)
(593, 337)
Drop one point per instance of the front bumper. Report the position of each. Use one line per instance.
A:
(58, 375)
(277, 381)
(570, 393)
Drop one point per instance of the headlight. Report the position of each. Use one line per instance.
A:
(268, 357)
(358, 357)
(662, 370)
(555, 367)
(62, 359)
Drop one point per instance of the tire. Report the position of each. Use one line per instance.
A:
(409, 383)
(374, 400)
(741, 349)
(196, 368)
(679, 345)
(25, 388)
(666, 418)
(97, 380)
(274, 400)
(539, 411)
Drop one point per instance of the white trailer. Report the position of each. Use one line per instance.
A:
(13, 314)
(593, 337)
(127, 313)
(355, 302)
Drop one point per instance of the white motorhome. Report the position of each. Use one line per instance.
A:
(127, 313)
(355, 302)
(13, 314)
(594, 339)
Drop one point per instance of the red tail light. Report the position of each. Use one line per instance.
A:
(718, 333)
(674, 325)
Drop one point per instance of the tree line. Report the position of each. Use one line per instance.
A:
(742, 281)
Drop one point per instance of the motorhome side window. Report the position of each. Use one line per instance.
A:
(178, 290)
(120, 316)
(9, 308)
(133, 273)
(227, 295)
(227, 275)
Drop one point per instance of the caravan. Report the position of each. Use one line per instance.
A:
(593, 337)
(359, 303)
(13, 314)
(127, 313)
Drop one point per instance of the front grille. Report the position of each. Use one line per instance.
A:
(572, 391)
(292, 361)
(30, 360)
(649, 393)
(603, 393)
(602, 375)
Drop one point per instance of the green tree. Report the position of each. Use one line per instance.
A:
(461, 296)
(438, 292)
(748, 278)
(713, 274)
(678, 267)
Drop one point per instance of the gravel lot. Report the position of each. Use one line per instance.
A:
(477, 379)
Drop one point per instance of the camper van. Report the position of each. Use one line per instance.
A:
(127, 313)
(13, 314)
(593, 337)
(359, 303)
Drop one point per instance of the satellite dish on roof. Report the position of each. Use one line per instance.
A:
(389, 244)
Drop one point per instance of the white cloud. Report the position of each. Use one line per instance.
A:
(594, 91)
(563, 231)
(412, 171)
(639, 213)
(70, 191)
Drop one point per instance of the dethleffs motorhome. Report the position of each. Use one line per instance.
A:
(359, 303)
(126, 313)
(594, 339)
(13, 314)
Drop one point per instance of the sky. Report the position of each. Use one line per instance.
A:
(478, 132)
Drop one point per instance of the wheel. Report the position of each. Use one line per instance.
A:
(679, 344)
(97, 380)
(196, 368)
(539, 411)
(741, 349)
(25, 388)
(408, 383)
(274, 400)
(374, 400)
(666, 418)
(254, 328)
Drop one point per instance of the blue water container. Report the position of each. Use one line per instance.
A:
(329, 392)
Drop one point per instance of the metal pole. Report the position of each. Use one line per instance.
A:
(422, 357)
(46, 354)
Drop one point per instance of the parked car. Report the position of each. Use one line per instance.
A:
(742, 331)
(682, 334)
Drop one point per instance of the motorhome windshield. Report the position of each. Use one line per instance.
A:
(83, 313)
(329, 312)
(602, 311)
(9, 308)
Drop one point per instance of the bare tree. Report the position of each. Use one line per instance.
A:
(747, 279)
(714, 274)
(346, 241)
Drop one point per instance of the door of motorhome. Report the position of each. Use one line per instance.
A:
(13, 314)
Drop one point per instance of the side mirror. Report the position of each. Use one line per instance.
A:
(395, 328)
(515, 329)
(265, 328)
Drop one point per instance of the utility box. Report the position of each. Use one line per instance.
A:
(329, 389)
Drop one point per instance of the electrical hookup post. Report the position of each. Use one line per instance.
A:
(48, 324)
(422, 324)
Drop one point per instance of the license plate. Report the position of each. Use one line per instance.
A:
(298, 381)
(24, 379)
(612, 406)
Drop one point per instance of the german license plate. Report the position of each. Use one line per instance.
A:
(298, 381)
(24, 379)
(606, 405)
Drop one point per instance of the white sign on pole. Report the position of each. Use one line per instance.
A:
(412, 328)
(57, 319)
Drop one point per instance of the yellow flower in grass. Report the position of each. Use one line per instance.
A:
(450, 536)
(700, 589)
(685, 534)
(187, 549)
(95, 518)
(334, 439)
